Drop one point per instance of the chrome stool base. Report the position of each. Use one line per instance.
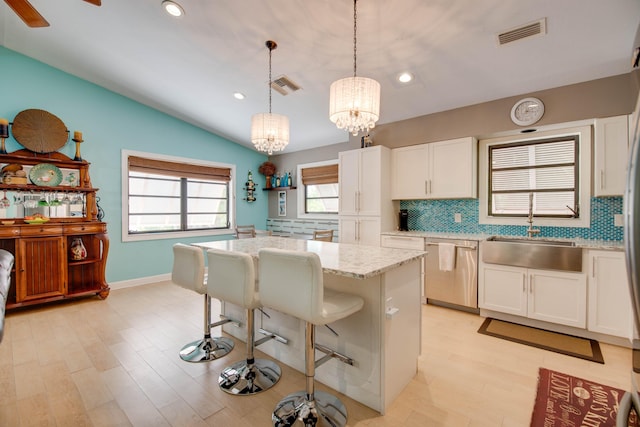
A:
(295, 410)
(206, 349)
(243, 378)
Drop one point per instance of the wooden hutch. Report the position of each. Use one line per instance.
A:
(44, 271)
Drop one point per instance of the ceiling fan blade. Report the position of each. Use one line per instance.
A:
(95, 2)
(27, 13)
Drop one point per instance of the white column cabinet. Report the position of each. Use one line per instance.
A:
(610, 156)
(362, 230)
(610, 309)
(552, 296)
(438, 170)
(365, 207)
(360, 182)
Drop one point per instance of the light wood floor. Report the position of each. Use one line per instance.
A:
(115, 363)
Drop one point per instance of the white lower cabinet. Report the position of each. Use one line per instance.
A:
(610, 309)
(551, 296)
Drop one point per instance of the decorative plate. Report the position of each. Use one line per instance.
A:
(45, 175)
(39, 131)
(36, 221)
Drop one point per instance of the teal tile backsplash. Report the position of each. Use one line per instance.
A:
(438, 216)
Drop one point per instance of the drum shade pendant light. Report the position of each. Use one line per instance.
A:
(354, 102)
(269, 132)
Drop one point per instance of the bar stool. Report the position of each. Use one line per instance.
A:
(188, 272)
(245, 231)
(323, 235)
(292, 283)
(235, 282)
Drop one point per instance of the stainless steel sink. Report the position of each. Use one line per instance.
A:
(530, 241)
(532, 253)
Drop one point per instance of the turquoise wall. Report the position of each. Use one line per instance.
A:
(438, 216)
(109, 123)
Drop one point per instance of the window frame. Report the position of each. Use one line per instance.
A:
(127, 237)
(575, 165)
(302, 192)
(584, 132)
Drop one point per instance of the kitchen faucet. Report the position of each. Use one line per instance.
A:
(531, 231)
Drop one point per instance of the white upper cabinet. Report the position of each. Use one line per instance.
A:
(365, 207)
(438, 170)
(611, 156)
(409, 178)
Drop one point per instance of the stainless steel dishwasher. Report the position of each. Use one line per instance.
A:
(457, 288)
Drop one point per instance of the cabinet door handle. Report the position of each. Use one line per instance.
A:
(426, 186)
(531, 283)
(601, 179)
(593, 268)
(524, 283)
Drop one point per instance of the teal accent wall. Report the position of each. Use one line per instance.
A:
(438, 216)
(110, 123)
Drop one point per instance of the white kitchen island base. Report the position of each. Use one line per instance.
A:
(383, 338)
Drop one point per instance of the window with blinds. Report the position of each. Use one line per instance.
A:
(320, 189)
(540, 175)
(166, 196)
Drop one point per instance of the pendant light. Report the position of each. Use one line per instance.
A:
(269, 132)
(354, 102)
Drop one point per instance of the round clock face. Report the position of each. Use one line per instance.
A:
(527, 111)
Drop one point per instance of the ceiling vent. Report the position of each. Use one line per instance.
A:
(537, 28)
(284, 85)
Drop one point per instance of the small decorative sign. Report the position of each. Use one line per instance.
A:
(282, 203)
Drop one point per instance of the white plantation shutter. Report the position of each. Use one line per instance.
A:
(547, 168)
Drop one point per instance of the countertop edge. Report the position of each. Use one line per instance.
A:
(582, 243)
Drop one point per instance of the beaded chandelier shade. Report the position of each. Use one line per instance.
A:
(269, 132)
(354, 102)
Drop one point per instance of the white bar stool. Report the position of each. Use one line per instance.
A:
(188, 272)
(292, 283)
(234, 281)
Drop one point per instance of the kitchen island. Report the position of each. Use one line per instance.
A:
(383, 338)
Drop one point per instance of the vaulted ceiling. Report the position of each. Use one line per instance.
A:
(190, 67)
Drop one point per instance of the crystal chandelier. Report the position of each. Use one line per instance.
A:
(354, 102)
(269, 132)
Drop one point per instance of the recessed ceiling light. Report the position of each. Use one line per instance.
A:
(238, 95)
(172, 8)
(405, 77)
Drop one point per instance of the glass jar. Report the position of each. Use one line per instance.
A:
(77, 251)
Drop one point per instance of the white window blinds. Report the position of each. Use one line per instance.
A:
(546, 168)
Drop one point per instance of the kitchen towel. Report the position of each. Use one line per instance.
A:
(447, 256)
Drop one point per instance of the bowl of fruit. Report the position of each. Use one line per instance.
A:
(36, 219)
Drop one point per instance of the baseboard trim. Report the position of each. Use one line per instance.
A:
(139, 281)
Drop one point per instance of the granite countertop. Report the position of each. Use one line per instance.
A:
(343, 259)
(583, 243)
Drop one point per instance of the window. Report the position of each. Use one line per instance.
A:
(165, 196)
(553, 165)
(318, 196)
(539, 175)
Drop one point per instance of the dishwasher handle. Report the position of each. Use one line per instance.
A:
(457, 245)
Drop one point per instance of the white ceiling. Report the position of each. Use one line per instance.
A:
(190, 67)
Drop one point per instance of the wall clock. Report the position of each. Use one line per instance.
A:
(527, 111)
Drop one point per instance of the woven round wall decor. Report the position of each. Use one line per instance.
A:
(39, 131)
